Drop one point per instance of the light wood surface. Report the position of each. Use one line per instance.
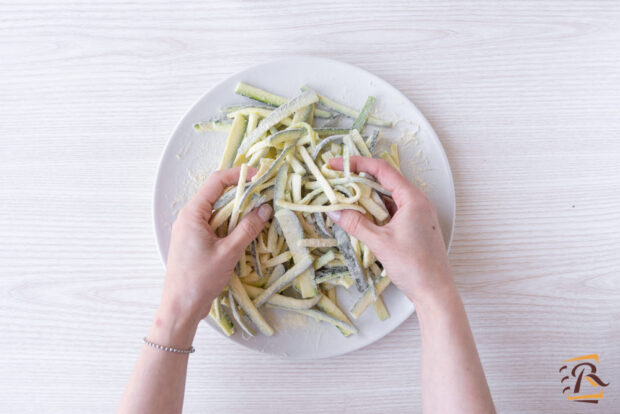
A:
(525, 97)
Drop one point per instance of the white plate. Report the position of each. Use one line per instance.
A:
(190, 157)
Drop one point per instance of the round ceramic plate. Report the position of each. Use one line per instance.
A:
(190, 157)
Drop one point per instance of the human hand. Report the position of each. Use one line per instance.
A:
(410, 247)
(199, 262)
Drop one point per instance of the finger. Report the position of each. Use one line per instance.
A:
(248, 228)
(212, 189)
(387, 175)
(357, 226)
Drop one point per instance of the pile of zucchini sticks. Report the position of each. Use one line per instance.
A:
(301, 256)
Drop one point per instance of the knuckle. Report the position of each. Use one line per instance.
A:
(250, 228)
(353, 222)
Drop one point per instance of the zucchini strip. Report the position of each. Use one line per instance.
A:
(276, 273)
(331, 273)
(318, 208)
(248, 307)
(314, 243)
(255, 261)
(321, 317)
(248, 111)
(234, 216)
(356, 179)
(219, 316)
(366, 299)
(235, 137)
(293, 231)
(317, 174)
(271, 99)
(213, 125)
(226, 197)
(276, 117)
(272, 169)
(284, 280)
(350, 258)
(360, 144)
(320, 224)
(281, 300)
(233, 307)
(324, 259)
(330, 308)
(281, 258)
(326, 132)
(345, 110)
(280, 186)
(221, 216)
(372, 141)
(361, 119)
(380, 308)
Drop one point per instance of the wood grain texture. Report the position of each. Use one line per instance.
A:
(525, 97)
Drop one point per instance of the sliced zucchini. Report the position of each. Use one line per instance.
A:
(272, 170)
(281, 300)
(255, 261)
(220, 317)
(213, 125)
(276, 117)
(360, 144)
(293, 231)
(372, 141)
(235, 137)
(284, 280)
(366, 299)
(332, 139)
(248, 307)
(280, 186)
(330, 308)
(361, 119)
(233, 307)
(276, 273)
(345, 110)
(380, 308)
(326, 132)
(350, 258)
(320, 225)
(270, 98)
(322, 317)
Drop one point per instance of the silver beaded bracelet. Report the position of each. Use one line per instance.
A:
(191, 349)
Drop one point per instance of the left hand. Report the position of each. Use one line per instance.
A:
(199, 262)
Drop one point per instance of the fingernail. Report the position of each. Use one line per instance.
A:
(264, 212)
(334, 215)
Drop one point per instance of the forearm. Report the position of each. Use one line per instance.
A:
(157, 384)
(452, 376)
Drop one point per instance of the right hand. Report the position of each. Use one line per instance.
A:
(410, 247)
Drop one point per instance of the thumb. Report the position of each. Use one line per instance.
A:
(249, 227)
(356, 225)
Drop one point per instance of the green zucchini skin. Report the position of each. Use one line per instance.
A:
(346, 111)
(322, 317)
(344, 244)
(361, 119)
(326, 132)
(271, 99)
(337, 139)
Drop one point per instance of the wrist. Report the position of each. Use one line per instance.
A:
(172, 327)
(439, 299)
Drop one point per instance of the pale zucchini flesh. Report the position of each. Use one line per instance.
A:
(299, 248)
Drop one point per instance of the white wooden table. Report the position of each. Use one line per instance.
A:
(525, 97)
